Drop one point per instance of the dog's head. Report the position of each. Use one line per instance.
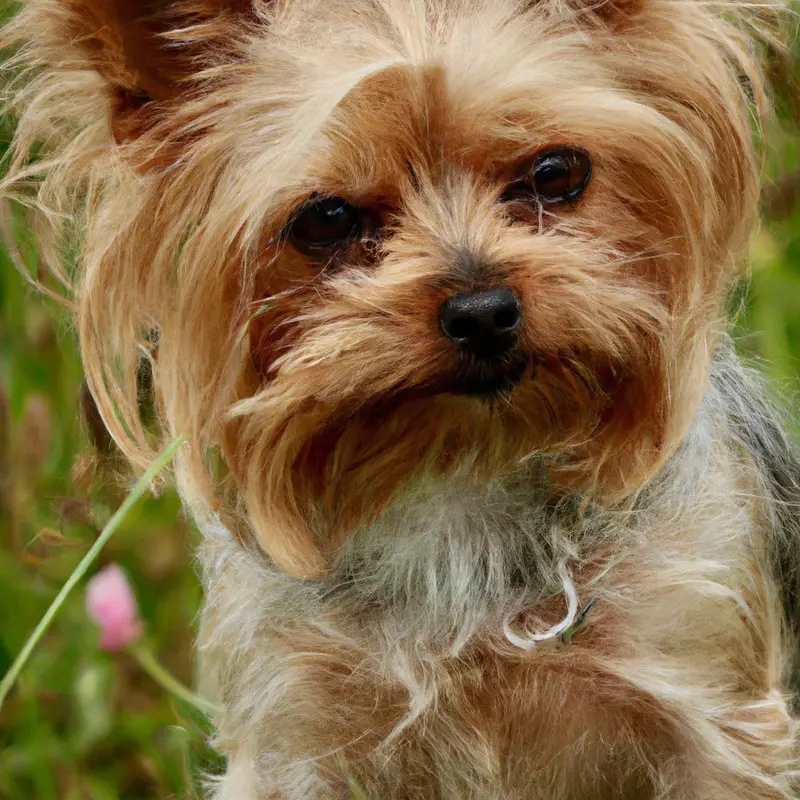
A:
(366, 240)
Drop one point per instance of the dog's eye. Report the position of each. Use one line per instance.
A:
(560, 174)
(555, 177)
(325, 225)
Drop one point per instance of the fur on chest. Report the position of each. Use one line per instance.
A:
(633, 688)
(415, 667)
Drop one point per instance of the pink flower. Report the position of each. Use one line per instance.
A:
(111, 604)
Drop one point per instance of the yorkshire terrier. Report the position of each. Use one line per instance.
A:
(437, 290)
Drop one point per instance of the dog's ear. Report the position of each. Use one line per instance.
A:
(150, 47)
(144, 50)
(603, 11)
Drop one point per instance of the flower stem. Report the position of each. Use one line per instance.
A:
(166, 680)
(138, 490)
(356, 792)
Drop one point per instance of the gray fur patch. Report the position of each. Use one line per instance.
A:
(757, 425)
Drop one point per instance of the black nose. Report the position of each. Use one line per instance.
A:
(484, 323)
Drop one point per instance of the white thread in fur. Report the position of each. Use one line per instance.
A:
(529, 641)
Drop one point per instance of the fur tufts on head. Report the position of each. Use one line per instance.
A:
(186, 138)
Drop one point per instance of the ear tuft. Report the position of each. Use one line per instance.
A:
(606, 12)
(147, 48)
(133, 99)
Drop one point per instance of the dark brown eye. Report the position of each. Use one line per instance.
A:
(555, 177)
(560, 175)
(325, 225)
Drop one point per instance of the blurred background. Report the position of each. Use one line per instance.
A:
(90, 725)
(83, 724)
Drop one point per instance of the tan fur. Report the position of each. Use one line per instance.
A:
(373, 540)
(670, 690)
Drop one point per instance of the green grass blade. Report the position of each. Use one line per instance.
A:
(136, 493)
(168, 682)
(356, 792)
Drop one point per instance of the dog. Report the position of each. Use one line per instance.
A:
(438, 292)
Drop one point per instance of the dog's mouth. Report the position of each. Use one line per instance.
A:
(488, 378)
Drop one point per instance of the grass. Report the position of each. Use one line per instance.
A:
(81, 724)
(84, 565)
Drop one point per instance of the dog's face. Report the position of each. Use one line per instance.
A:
(390, 238)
